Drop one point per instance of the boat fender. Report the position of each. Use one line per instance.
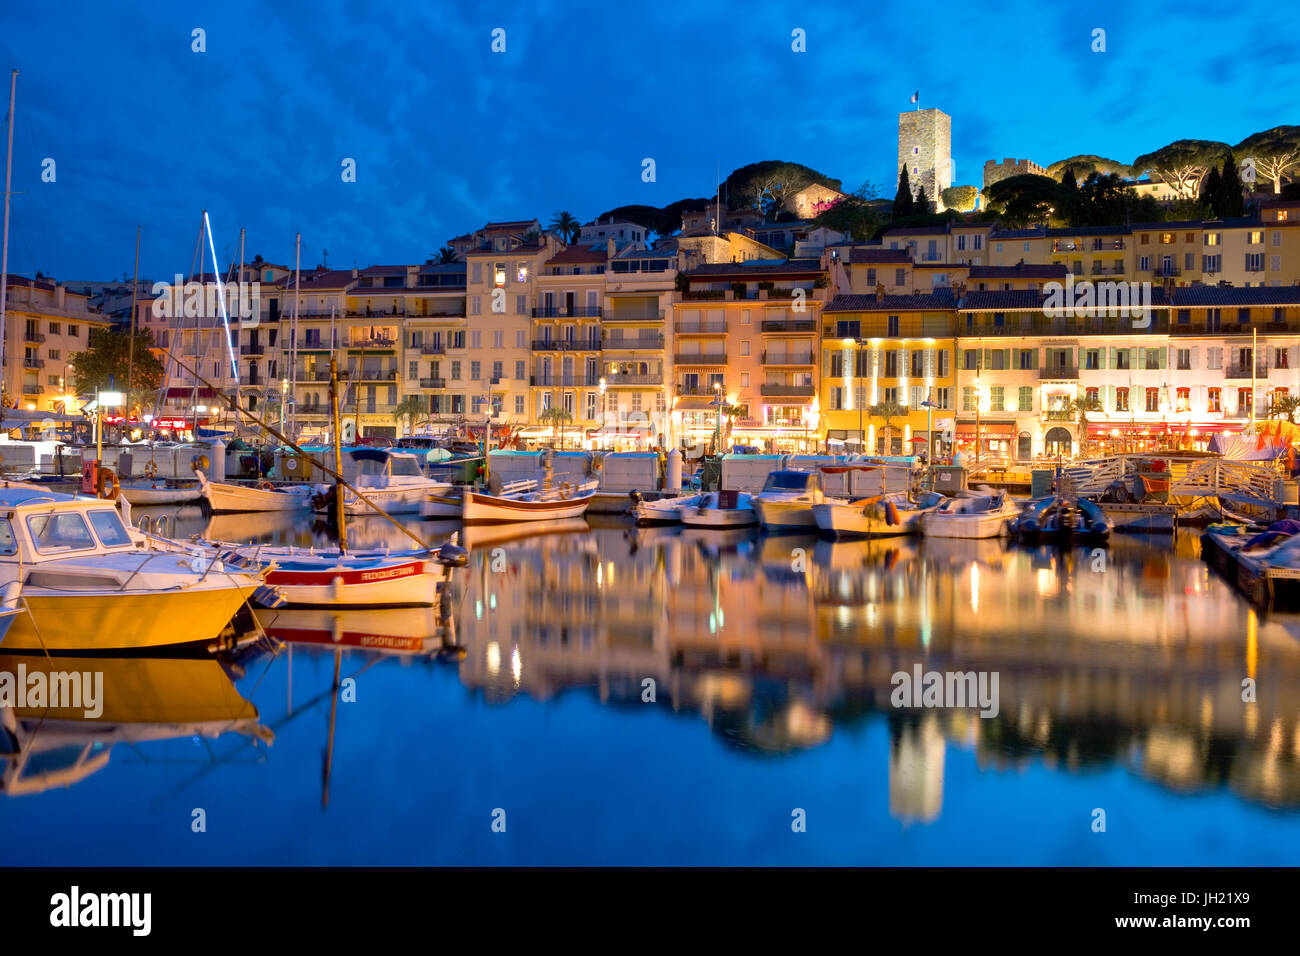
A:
(266, 486)
(566, 489)
(891, 512)
(453, 556)
(338, 588)
(200, 463)
(107, 477)
(151, 470)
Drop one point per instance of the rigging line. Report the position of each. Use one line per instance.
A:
(221, 301)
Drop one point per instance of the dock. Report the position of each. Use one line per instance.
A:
(1265, 586)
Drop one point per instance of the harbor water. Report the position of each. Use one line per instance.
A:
(615, 695)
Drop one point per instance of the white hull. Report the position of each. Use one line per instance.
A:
(708, 515)
(150, 493)
(224, 498)
(664, 510)
(391, 500)
(980, 524)
(445, 505)
(490, 509)
(848, 519)
(778, 513)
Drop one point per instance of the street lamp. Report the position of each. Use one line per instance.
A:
(604, 412)
(929, 407)
(717, 439)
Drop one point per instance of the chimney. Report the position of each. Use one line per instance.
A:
(609, 247)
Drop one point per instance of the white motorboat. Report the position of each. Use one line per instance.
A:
(721, 509)
(520, 501)
(662, 510)
(877, 517)
(392, 481)
(91, 585)
(225, 498)
(970, 516)
(787, 499)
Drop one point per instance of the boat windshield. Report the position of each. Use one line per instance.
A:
(60, 531)
(108, 526)
(7, 543)
(787, 481)
(406, 466)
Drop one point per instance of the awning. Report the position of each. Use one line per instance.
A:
(693, 404)
(537, 431)
(987, 430)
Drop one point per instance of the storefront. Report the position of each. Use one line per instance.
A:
(1107, 438)
(997, 439)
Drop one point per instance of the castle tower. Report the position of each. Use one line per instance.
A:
(925, 148)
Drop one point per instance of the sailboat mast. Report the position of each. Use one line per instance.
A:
(4, 256)
(130, 347)
(293, 337)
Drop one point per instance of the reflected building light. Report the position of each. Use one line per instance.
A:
(493, 658)
(516, 665)
(492, 601)
(916, 772)
(478, 609)
(1043, 581)
(975, 588)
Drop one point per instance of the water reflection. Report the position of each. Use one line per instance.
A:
(144, 701)
(1132, 655)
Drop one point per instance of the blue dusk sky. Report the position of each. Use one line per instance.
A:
(447, 134)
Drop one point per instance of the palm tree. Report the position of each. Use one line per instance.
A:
(410, 408)
(888, 410)
(556, 415)
(1284, 406)
(446, 255)
(566, 226)
(1078, 408)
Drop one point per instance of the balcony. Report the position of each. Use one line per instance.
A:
(704, 389)
(634, 315)
(252, 350)
(376, 343)
(1244, 371)
(788, 358)
(690, 294)
(654, 378)
(33, 363)
(30, 336)
(566, 345)
(788, 391)
(702, 328)
(1099, 269)
(560, 312)
(1058, 372)
(32, 389)
(563, 381)
(433, 348)
(1165, 270)
(789, 325)
(377, 408)
(1058, 415)
(656, 342)
(695, 358)
(433, 383)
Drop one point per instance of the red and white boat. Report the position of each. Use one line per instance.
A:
(520, 501)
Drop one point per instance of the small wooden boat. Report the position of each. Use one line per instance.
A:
(519, 501)
(877, 517)
(721, 509)
(147, 492)
(662, 510)
(225, 498)
(973, 516)
(446, 504)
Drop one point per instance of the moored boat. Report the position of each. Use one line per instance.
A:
(877, 517)
(787, 499)
(225, 498)
(661, 510)
(721, 509)
(391, 481)
(971, 516)
(90, 586)
(519, 502)
(147, 492)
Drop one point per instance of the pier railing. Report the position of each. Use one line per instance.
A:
(1189, 478)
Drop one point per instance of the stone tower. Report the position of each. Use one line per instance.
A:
(925, 148)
